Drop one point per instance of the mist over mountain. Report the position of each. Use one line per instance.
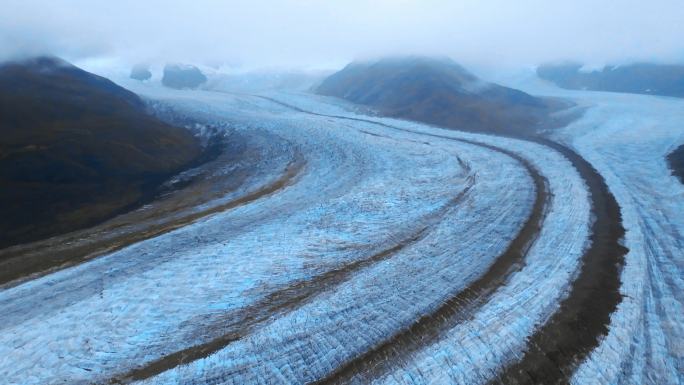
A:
(437, 91)
(76, 148)
(141, 72)
(291, 33)
(266, 80)
(313, 192)
(638, 78)
(183, 76)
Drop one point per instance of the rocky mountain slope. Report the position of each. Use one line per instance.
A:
(437, 91)
(76, 148)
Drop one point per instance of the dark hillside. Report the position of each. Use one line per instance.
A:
(437, 91)
(76, 148)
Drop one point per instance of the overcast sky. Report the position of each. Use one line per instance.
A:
(325, 34)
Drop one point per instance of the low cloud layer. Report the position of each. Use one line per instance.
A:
(307, 33)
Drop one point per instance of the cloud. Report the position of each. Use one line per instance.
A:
(329, 33)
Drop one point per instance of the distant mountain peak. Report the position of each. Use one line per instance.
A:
(182, 76)
(44, 76)
(437, 91)
(41, 64)
(639, 78)
(141, 72)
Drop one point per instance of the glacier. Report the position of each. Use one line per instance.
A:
(381, 222)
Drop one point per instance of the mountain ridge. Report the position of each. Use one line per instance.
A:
(638, 78)
(437, 91)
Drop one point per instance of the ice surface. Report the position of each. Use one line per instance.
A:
(626, 137)
(359, 192)
(313, 340)
(438, 211)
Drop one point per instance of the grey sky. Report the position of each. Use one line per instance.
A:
(310, 33)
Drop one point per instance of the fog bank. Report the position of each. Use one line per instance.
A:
(303, 33)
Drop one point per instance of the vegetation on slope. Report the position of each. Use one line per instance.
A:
(76, 148)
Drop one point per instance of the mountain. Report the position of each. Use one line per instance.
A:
(437, 91)
(639, 78)
(182, 76)
(76, 148)
(141, 72)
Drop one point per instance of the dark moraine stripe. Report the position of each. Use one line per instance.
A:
(236, 325)
(428, 328)
(575, 329)
(582, 319)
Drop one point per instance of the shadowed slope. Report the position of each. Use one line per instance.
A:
(76, 148)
